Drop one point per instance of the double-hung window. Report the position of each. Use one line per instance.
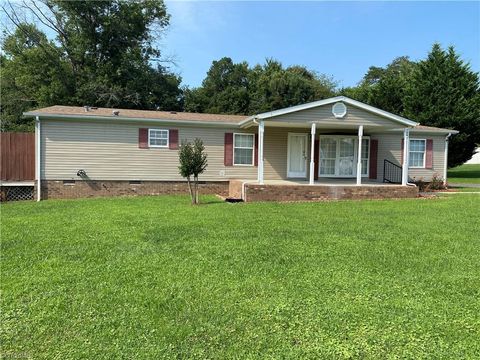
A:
(158, 138)
(243, 146)
(365, 156)
(417, 153)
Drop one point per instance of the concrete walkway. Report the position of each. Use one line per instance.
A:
(467, 185)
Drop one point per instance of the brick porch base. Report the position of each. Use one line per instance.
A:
(255, 192)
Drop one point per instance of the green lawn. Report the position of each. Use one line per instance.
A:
(466, 174)
(154, 277)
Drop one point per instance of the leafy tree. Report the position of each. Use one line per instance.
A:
(275, 87)
(193, 162)
(33, 74)
(445, 92)
(238, 89)
(385, 88)
(103, 50)
(224, 90)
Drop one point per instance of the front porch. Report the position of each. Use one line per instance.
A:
(322, 190)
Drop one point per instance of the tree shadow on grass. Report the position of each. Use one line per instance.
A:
(465, 172)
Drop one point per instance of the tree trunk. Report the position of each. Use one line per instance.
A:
(190, 189)
(196, 189)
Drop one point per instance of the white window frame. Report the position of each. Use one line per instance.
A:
(355, 156)
(253, 149)
(159, 146)
(424, 153)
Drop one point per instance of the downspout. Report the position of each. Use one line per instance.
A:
(445, 160)
(38, 157)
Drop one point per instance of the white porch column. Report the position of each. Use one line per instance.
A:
(38, 171)
(261, 130)
(359, 155)
(406, 153)
(312, 154)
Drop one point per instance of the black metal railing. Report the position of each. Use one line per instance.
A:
(392, 173)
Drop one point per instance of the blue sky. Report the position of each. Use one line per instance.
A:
(341, 39)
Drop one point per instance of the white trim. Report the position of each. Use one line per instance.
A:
(38, 159)
(359, 155)
(341, 114)
(424, 154)
(435, 131)
(344, 99)
(445, 159)
(312, 155)
(295, 175)
(406, 153)
(159, 146)
(261, 132)
(253, 149)
(337, 149)
(48, 116)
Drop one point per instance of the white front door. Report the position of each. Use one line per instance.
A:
(297, 155)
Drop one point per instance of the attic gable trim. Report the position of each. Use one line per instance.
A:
(372, 109)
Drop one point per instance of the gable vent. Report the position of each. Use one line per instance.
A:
(339, 110)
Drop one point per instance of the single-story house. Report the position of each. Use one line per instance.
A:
(332, 148)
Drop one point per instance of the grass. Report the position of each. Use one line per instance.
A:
(466, 174)
(154, 277)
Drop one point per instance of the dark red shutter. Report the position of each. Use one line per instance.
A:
(429, 154)
(401, 153)
(372, 171)
(316, 158)
(256, 149)
(143, 138)
(228, 149)
(173, 139)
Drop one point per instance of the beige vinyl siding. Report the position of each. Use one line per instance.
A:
(275, 151)
(323, 114)
(389, 147)
(109, 151)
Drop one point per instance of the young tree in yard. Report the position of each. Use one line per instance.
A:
(193, 162)
(445, 92)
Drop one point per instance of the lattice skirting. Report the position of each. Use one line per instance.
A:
(16, 193)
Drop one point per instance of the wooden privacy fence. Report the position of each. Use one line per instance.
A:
(17, 151)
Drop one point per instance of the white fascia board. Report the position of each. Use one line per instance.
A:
(427, 131)
(318, 103)
(131, 119)
(439, 131)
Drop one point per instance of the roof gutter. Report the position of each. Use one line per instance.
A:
(445, 158)
(130, 119)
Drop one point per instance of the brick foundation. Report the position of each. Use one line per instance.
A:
(255, 192)
(57, 189)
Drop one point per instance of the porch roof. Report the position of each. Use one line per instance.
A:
(271, 115)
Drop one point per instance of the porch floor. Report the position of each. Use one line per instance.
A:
(322, 182)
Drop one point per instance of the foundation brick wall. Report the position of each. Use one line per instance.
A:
(56, 189)
(256, 192)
